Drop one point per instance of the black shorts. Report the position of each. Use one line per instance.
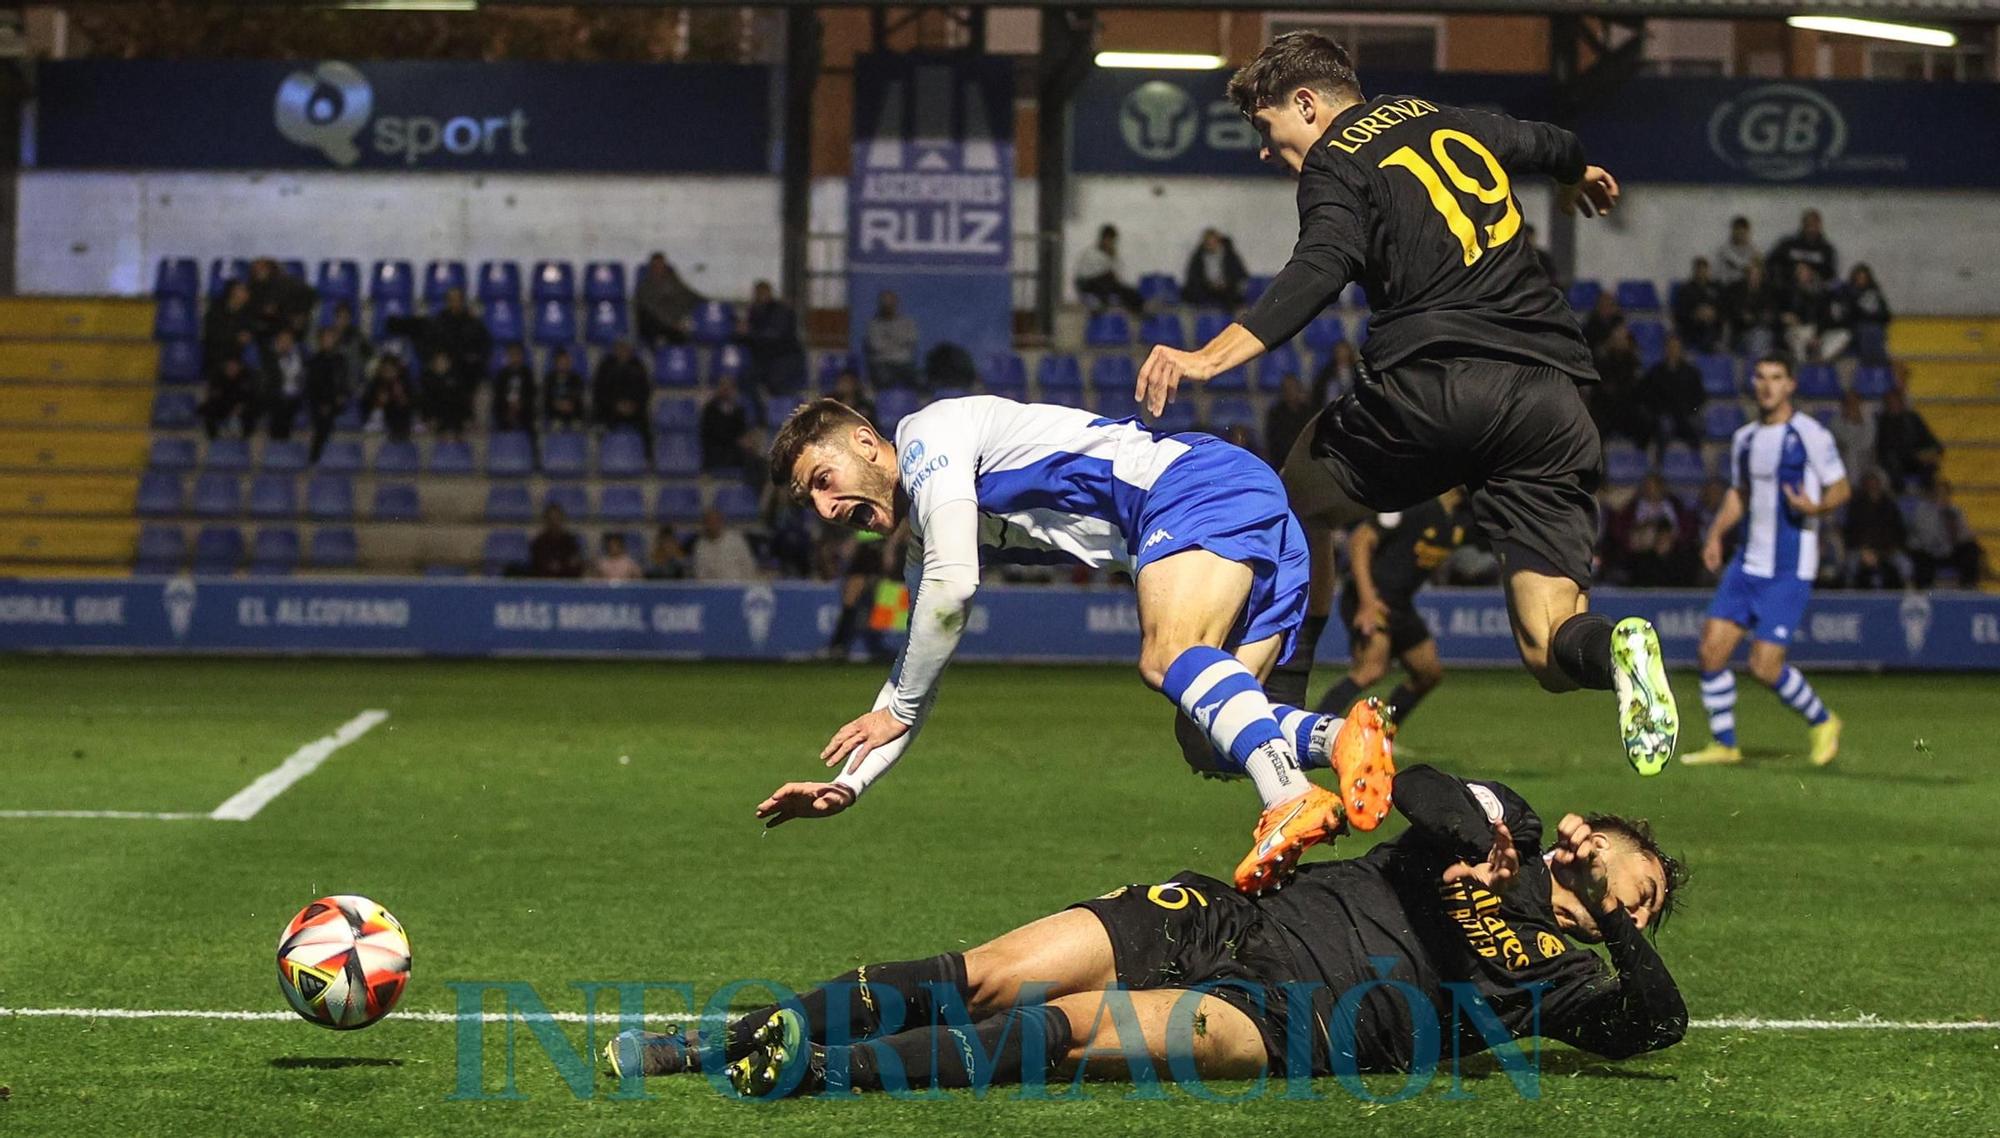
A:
(1514, 433)
(1406, 628)
(1195, 930)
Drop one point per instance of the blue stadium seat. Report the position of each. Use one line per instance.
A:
(1817, 381)
(502, 550)
(273, 496)
(396, 458)
(503, 320)
(174, 410)
(162, 549)
(1232, 412)
(737, 502)
(1873, 381)
(1006, 375)
(337, 281)
(1649, 338)
(675, 366)
(1273, 366)
(330, 498)
(1638, 296)
(509, 502)
(1058, 378)
(1584, 294)
(1718, 374)
(623, 503)
(677, 454)
(892, 404)
(714, 322)
(174, 319)
(1624, 464)
(1113, 375)
(227, 454)
(573, 497)
(274, 552)
(1682, 465)
(555, 322)
(160, 493)
(385, 309)
(671, 414)
(727, 362)
(1179, 416)
(397, 502)
(1111, 329)
(779, 407)
(827, 371)
(177, 276)
(608, 323)
(450, 458)
(218, 550)
(1871, 344)
(510, 454)
(283, 456)
(180, 361)
(1323, 333)
(677, 502)
(553, 280)
(1163, 328)
(1236, 379)
(1255, 287)
(392, 281)
(333, 547)
(441, 277)
(341, 456)
(223, 272)
(499, 280)
(1209, 323)
(171, 454)
(604, 280)
(565, 454)
(292, 267)
(1720, 420)
(1160, 288)
(622, 454)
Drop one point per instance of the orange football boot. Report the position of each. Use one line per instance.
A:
(1283, 833)
(1364, 758)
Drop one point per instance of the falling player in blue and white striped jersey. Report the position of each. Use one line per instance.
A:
(1202, 526)
(1784, 475)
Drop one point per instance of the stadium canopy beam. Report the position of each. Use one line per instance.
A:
(804, 52)
(1068, 36)
(1982, 11)
(1614, 59)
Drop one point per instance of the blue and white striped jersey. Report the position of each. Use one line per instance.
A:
(1798, 453)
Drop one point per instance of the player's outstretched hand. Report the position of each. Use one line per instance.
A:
(1165, 369)
(1595, 195)
(871, 731)
(1371, 617)
(1497, 873)
(804, 800)
(1576, 862)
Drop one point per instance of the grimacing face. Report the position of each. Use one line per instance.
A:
(1634, 878)
(1773, 385)
(850, 481)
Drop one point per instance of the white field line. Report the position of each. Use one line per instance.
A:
(1746, 1023)
(139, 814)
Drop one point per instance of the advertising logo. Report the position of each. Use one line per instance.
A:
(1916, 616)
(1158, 120)
(179, 598)
(760, 606)
(324, 109)
(1778, 132)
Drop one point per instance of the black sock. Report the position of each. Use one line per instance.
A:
(1402, 701)
(1002, 1051)
(1342, 697)
(843, 630)
(1287, 683)
(856, 996)
(1582, 648)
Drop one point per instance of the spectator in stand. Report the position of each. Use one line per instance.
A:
(1100, 278)
(278, 301)
(514, 392)
(1854, 434)
(664, 303)
(724, 422)
(891, 344)
(1735, 256)
(1940, 536)
(1674, 397)
(622, 392)
(1808, 318)
(228, 392)
(1809, 247)
(1752, 309)
(329, 384)
(777, 360)
(391, 399)
(349, 341)
(229, 329)
(1215, 274)
(1870, 314)
(1875, 535)
(722, 553)
(555, 551)
(1336, 375)
(1699, 308)
(563, 387)
(1663, 560)
(615, 564)
(667, 561)
(1604, 316)
(1617, 403)
(847, 388)
(1905, 448)
(455, 333)
(1286, 417)
(1542, 258)
(284, 383)
(447, 400)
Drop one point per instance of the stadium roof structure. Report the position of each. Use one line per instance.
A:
(1921, 10)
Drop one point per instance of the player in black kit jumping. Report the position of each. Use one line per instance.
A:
(1390, 557)
(1469, 375)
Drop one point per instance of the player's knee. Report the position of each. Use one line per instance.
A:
(1424, 681)
(1768, 670)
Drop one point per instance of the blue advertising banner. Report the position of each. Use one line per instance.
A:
(262, 114)
(1708, 131)
(930, 198)
(792, 620)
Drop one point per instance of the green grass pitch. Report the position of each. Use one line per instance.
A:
(497, 814)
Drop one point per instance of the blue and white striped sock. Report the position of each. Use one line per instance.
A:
(1224, 700)
(1795, 691)
(1718, 696)
(1311, 734)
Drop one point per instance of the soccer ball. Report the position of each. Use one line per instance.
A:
(343, 961)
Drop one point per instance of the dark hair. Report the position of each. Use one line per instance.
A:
(1294, 60)
(813, 423)
(1739, 219)
(1107, 231)
(1640, 833)
(1779, 358)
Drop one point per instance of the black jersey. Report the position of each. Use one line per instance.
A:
(1416, 201)
(1412, 545)
(1391, 902)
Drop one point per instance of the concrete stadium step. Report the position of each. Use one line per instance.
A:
(75, 318)
(1982, 508)
(1955, 379)
(14, 567)
(73, 495)
(1969, 421)
(1973, 466)
(105, 360)
(78, 451)
(75, 404)
(68, 540)
(1911, 336)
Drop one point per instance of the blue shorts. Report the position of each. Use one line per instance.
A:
(1225, 500)
(1770, 607)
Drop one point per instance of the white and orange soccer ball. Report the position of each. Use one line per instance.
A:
(343, 961)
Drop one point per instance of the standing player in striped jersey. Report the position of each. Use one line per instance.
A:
(1203, 528)
(1784, 475)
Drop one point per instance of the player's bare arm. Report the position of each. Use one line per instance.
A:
(1594, 195)
(1370, 614)
(1832, 498)
(1167, 368)
(1725, 520)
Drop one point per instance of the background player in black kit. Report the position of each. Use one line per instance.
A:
(1470, 370)
(1390, 556)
